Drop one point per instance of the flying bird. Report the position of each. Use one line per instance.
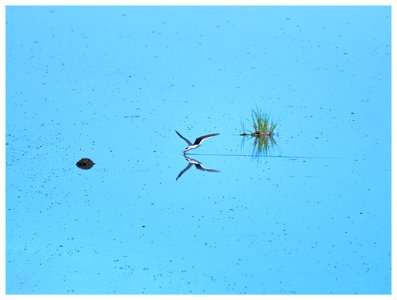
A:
(197, 142)
(197, 164)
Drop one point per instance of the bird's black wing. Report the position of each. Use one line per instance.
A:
(201, 138)
(183, 171)
(200, 167)
(183, 138)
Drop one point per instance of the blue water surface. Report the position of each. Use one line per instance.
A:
(310, 216)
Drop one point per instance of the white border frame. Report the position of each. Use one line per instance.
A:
(182, 3)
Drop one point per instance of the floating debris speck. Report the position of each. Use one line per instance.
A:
(85, 163)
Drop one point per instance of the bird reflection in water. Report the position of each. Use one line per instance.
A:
(197, 164)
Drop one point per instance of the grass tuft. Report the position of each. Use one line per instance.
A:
(262, 125)
(263, 132)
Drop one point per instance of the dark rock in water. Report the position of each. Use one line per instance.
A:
(85, 163)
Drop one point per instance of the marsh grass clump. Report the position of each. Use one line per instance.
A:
(262, 125)
(263, 132)
(262, 145)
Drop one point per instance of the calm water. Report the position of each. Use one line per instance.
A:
(114, 83)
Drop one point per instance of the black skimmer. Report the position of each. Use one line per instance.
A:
(197, 142)
(197, 164)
